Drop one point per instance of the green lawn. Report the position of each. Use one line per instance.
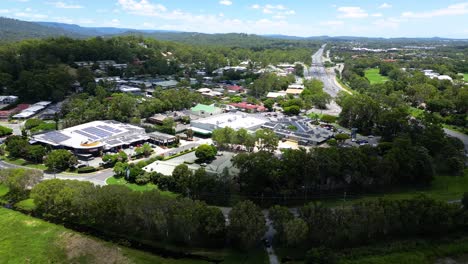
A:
(465, 77)
(410, 252)
(136, 187)
(443, 188)
(26, 205)
(374, 77)
(3, 190)
(26, 239)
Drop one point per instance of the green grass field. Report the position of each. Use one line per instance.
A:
(26, 239)
(411, 252)
(140, 188)
(374, 77)
(465, 77)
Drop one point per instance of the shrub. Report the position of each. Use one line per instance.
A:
(87, 169)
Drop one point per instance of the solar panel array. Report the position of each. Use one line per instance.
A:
(97, 132)
(55, 137)
(86, 135)
(111, 129)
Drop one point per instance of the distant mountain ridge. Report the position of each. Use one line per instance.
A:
(14, 30)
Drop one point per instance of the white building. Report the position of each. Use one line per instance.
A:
(9, 99)
(32, 110)
(93, 137)
(235, 121)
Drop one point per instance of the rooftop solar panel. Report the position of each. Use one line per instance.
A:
(111, 129)
(98, 132)
(55, 137)
(86, 135)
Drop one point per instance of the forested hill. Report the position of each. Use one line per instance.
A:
(14, 30)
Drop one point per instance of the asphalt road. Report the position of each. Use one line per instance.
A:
(462, 137)
(318, 71)
(98, 178)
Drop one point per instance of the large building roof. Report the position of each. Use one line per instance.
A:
(232, 120)
(105, 134)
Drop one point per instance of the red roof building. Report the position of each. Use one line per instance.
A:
(7, 113)
(235, 88)
(250, 107)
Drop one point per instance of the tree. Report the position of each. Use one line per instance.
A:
(17, 146)
(168, 126)
(36, 153)
(60, 160)
(267, 140)
(205, 152)
(328, 119)
(292, 110)
(183, 179)
(144, 150)
(341, 138)
(223, 137)
(247, 224)
(295, 232)
(5, 131)
(299, 70)
(280, 215)
(20, 181)
(269, 103)
(189, 134)
(120, 169)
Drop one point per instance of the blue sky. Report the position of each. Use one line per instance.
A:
(381, 18)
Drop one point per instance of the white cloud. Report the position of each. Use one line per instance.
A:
(352, 12)
(30, 16)
(225, 2)
(276, 11)
(377, 15)
(452, 10)
(385, 5)
(60, 4)
(4, 11)
(142, 7)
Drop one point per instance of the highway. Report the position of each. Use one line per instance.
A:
(318, 71)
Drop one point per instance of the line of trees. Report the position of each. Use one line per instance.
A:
(366, 223)
(147, 216)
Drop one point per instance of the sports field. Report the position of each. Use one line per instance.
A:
(374, 76)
